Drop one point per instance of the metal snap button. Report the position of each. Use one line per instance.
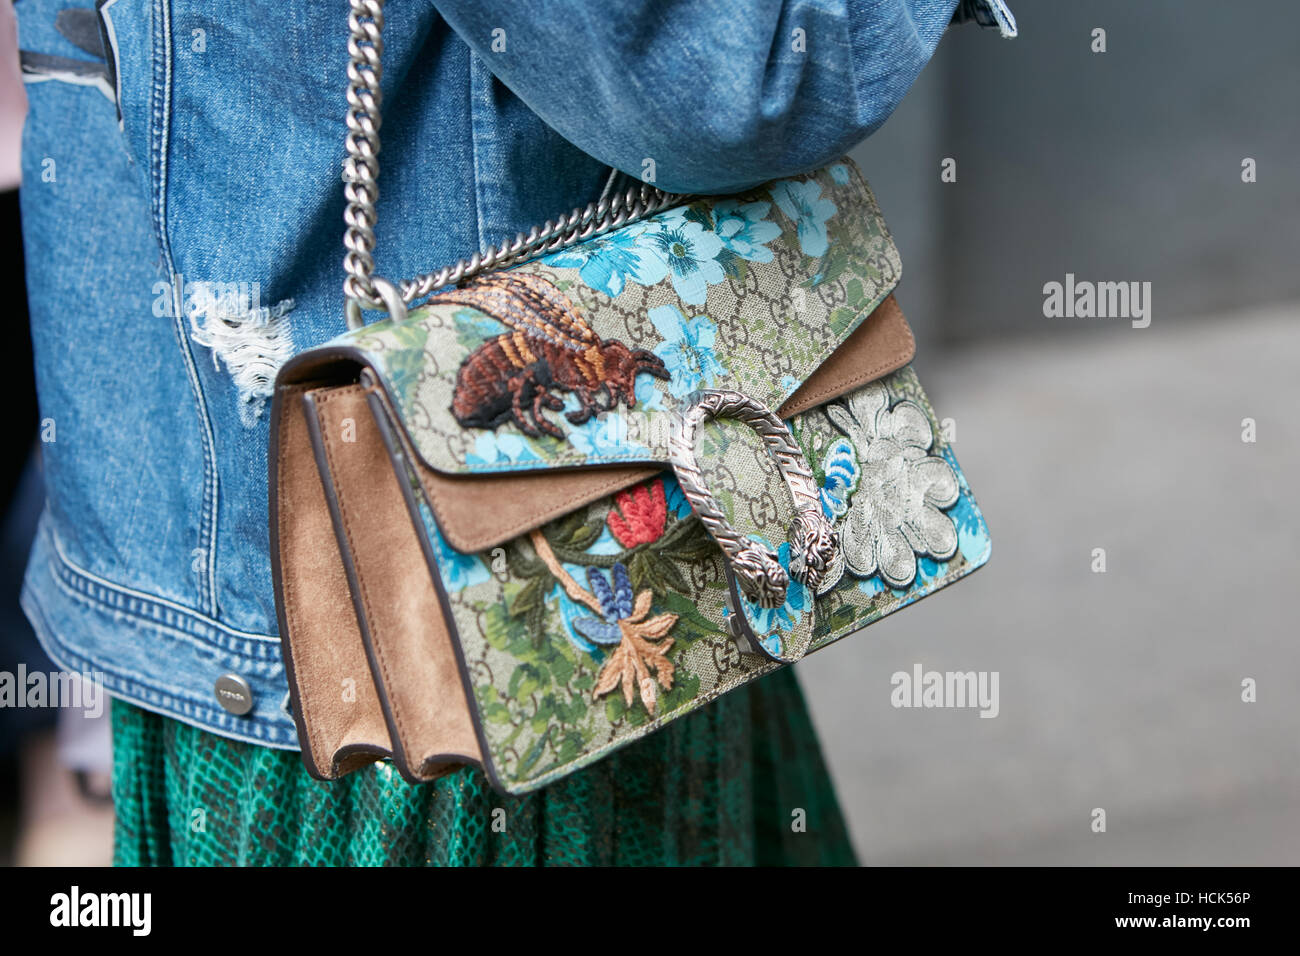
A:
(234, 694)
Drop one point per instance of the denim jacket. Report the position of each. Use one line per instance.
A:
(182, 212)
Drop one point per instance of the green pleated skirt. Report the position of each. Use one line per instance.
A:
(741, 781)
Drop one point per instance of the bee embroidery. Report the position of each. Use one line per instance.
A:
(550, 348)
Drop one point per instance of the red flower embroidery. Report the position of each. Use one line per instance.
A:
(639, 514)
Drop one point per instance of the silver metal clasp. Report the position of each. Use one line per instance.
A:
(814, 544)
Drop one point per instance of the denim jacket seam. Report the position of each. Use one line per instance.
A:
(136, 611)
(160, 144)
(223, 636)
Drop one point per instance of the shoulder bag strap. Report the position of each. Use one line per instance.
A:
(362, 288)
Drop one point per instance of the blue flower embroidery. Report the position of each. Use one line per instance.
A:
(803, 203)
(687, 349)
(840, 173)
(616, 603)
(689, 251)
(607, 263)
(840, 467)
(745, 230)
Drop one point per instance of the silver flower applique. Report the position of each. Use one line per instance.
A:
(895, 513)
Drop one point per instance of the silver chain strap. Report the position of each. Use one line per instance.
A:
(362, 288)
(361, 168)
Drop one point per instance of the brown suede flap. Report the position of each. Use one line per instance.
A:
(477, 512)
(338, 732)
(413, 663)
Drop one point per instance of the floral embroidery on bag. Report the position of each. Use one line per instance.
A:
(839, 478)
(640, 643)
(639, 514)
(630, 559)
(533, 351)
(896, 513)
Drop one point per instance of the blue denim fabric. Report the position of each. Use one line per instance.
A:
(151, 563)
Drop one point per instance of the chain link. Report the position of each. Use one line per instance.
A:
(361, 167)
(592, 220)
(361, 189)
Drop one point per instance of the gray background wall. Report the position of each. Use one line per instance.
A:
(1120, 690)
(1123, 164)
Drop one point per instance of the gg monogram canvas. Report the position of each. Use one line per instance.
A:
(479, 529)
